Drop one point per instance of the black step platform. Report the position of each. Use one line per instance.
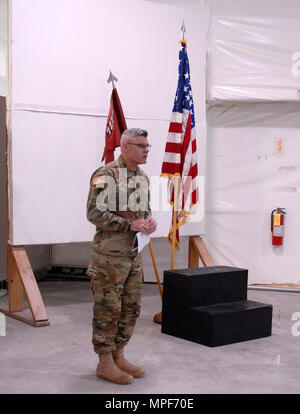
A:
(208, 305)
(227, 323)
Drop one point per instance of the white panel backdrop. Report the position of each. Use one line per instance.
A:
(62, 51)
(248, 179)
(253, 82)
(254, 51)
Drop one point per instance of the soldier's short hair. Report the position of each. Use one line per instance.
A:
(133, 133)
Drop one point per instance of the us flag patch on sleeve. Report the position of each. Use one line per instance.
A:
(97, 181)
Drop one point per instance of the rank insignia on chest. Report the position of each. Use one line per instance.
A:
(98, 181)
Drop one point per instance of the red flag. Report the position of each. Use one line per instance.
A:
(115, 125)
(180, 158)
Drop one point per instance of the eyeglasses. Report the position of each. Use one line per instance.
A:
(143, 146)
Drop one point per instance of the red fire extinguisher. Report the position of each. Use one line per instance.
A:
(277, 226)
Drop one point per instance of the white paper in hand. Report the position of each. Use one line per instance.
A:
(140, 241)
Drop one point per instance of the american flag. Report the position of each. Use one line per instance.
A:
(180, 158)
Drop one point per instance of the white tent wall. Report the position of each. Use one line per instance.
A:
(60, 101)
(38, 254)
(254, 52)
(253, 142)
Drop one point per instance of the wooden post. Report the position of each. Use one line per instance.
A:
(155, 269)
(20, 279)
(157, 316)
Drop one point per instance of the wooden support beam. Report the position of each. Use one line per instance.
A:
(32, 291)
(193, 254)
(21, 278)
(198, 249)
(15, 286)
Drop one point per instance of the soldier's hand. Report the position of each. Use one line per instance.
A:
(140, 225)
(152, 225)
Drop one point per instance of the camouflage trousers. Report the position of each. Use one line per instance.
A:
(116, 284)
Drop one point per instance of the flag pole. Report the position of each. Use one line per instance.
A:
(183, 29)
(155, 269)
(175, 208)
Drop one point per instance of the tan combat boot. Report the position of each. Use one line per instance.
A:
(124, 365)
(108, 370)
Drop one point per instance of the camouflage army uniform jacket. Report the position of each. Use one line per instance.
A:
(128, 201)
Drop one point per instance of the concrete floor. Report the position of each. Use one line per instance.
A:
(60, 358)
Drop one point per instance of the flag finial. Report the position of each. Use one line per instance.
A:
(183, 29)
(111, 79)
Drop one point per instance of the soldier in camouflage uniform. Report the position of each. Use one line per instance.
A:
(118, 204)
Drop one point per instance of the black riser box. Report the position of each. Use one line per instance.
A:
(229, 323)
(208, 305)
(186, 288)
